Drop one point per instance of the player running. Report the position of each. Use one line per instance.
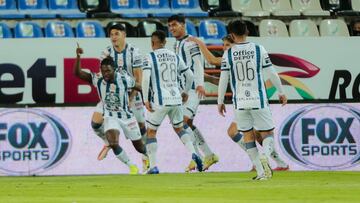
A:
(113, 90)
(161, 91)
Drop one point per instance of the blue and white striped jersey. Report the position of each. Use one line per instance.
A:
(114, 95)
(190, 53)
(128, 59)
(166, 69)
(244, 64)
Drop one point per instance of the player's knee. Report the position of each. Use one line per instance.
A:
(151, 133)
(95, 126)
(113, 144)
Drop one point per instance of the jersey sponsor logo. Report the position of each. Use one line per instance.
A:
(32, 141)
(322, 137)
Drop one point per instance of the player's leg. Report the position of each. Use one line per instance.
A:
(281, 164)
(245, 122)
(139, 112)
(176, 118)
(153, 121)
(236, 135)
(190, 108)
(98, 127)
(112, 131)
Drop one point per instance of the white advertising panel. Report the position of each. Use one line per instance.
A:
(59, 141)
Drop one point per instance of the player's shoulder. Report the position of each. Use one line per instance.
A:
(131, 47)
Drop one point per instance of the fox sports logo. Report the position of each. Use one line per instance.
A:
(31, 141)
(323, 137)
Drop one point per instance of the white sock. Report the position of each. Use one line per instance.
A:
(239, 139)
(186, 140)
(279, 162)
(268, 145)
(151, 148)
(200, 141)
(253, 153)
(123, 157)
(193, 140)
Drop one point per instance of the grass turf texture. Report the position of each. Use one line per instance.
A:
(196, 187)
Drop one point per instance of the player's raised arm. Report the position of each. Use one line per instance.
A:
(213, 60)
(137, 71)
(77, 70)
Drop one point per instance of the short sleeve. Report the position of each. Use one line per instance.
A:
(95, 77)
(266, 62)
(146, 63)
(225, 61)
(137, 59)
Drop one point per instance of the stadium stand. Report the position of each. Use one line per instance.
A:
(354, 11)
(66, 9)
(131, 31)
(190, 8)
(147, 27)
(27, 29)
(303, 28)
(217, 8)
(35, 8)
(89, 29)
(58, 29)
(5, 31)
(309, 8)
(335, 5)
(8, 10)
(156, 8)
(333, 27)
(279, 8)
(212, 31)
(250, 8)
(127, 9)
(273, 28)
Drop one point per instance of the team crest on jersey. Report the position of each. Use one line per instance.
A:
(120, 63)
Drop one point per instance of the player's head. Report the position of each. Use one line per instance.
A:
(108, 68)
(238, 28)
(228, 42)
(158, 39)
(117, 34)
(176, 24)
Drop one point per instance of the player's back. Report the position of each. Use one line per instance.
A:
(165, 74)
(246, 61)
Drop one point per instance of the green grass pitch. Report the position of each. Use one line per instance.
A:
(195, 187)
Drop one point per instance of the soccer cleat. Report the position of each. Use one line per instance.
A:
(210, 160)
(263, 177)
(146, 164)
(191, 166)
(154, 170)
(267, 169)
(103, 152)
(133, 169)
(198, 162)
(281, 168)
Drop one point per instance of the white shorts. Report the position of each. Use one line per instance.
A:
(129, 126)
(260, 119)
(174, 112)
(139, 111)
(191, 105)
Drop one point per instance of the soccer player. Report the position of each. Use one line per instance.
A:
(232, 131)
(244, 63)
(128, 58)
(189, 52)
(113, 87)
(161, 73)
